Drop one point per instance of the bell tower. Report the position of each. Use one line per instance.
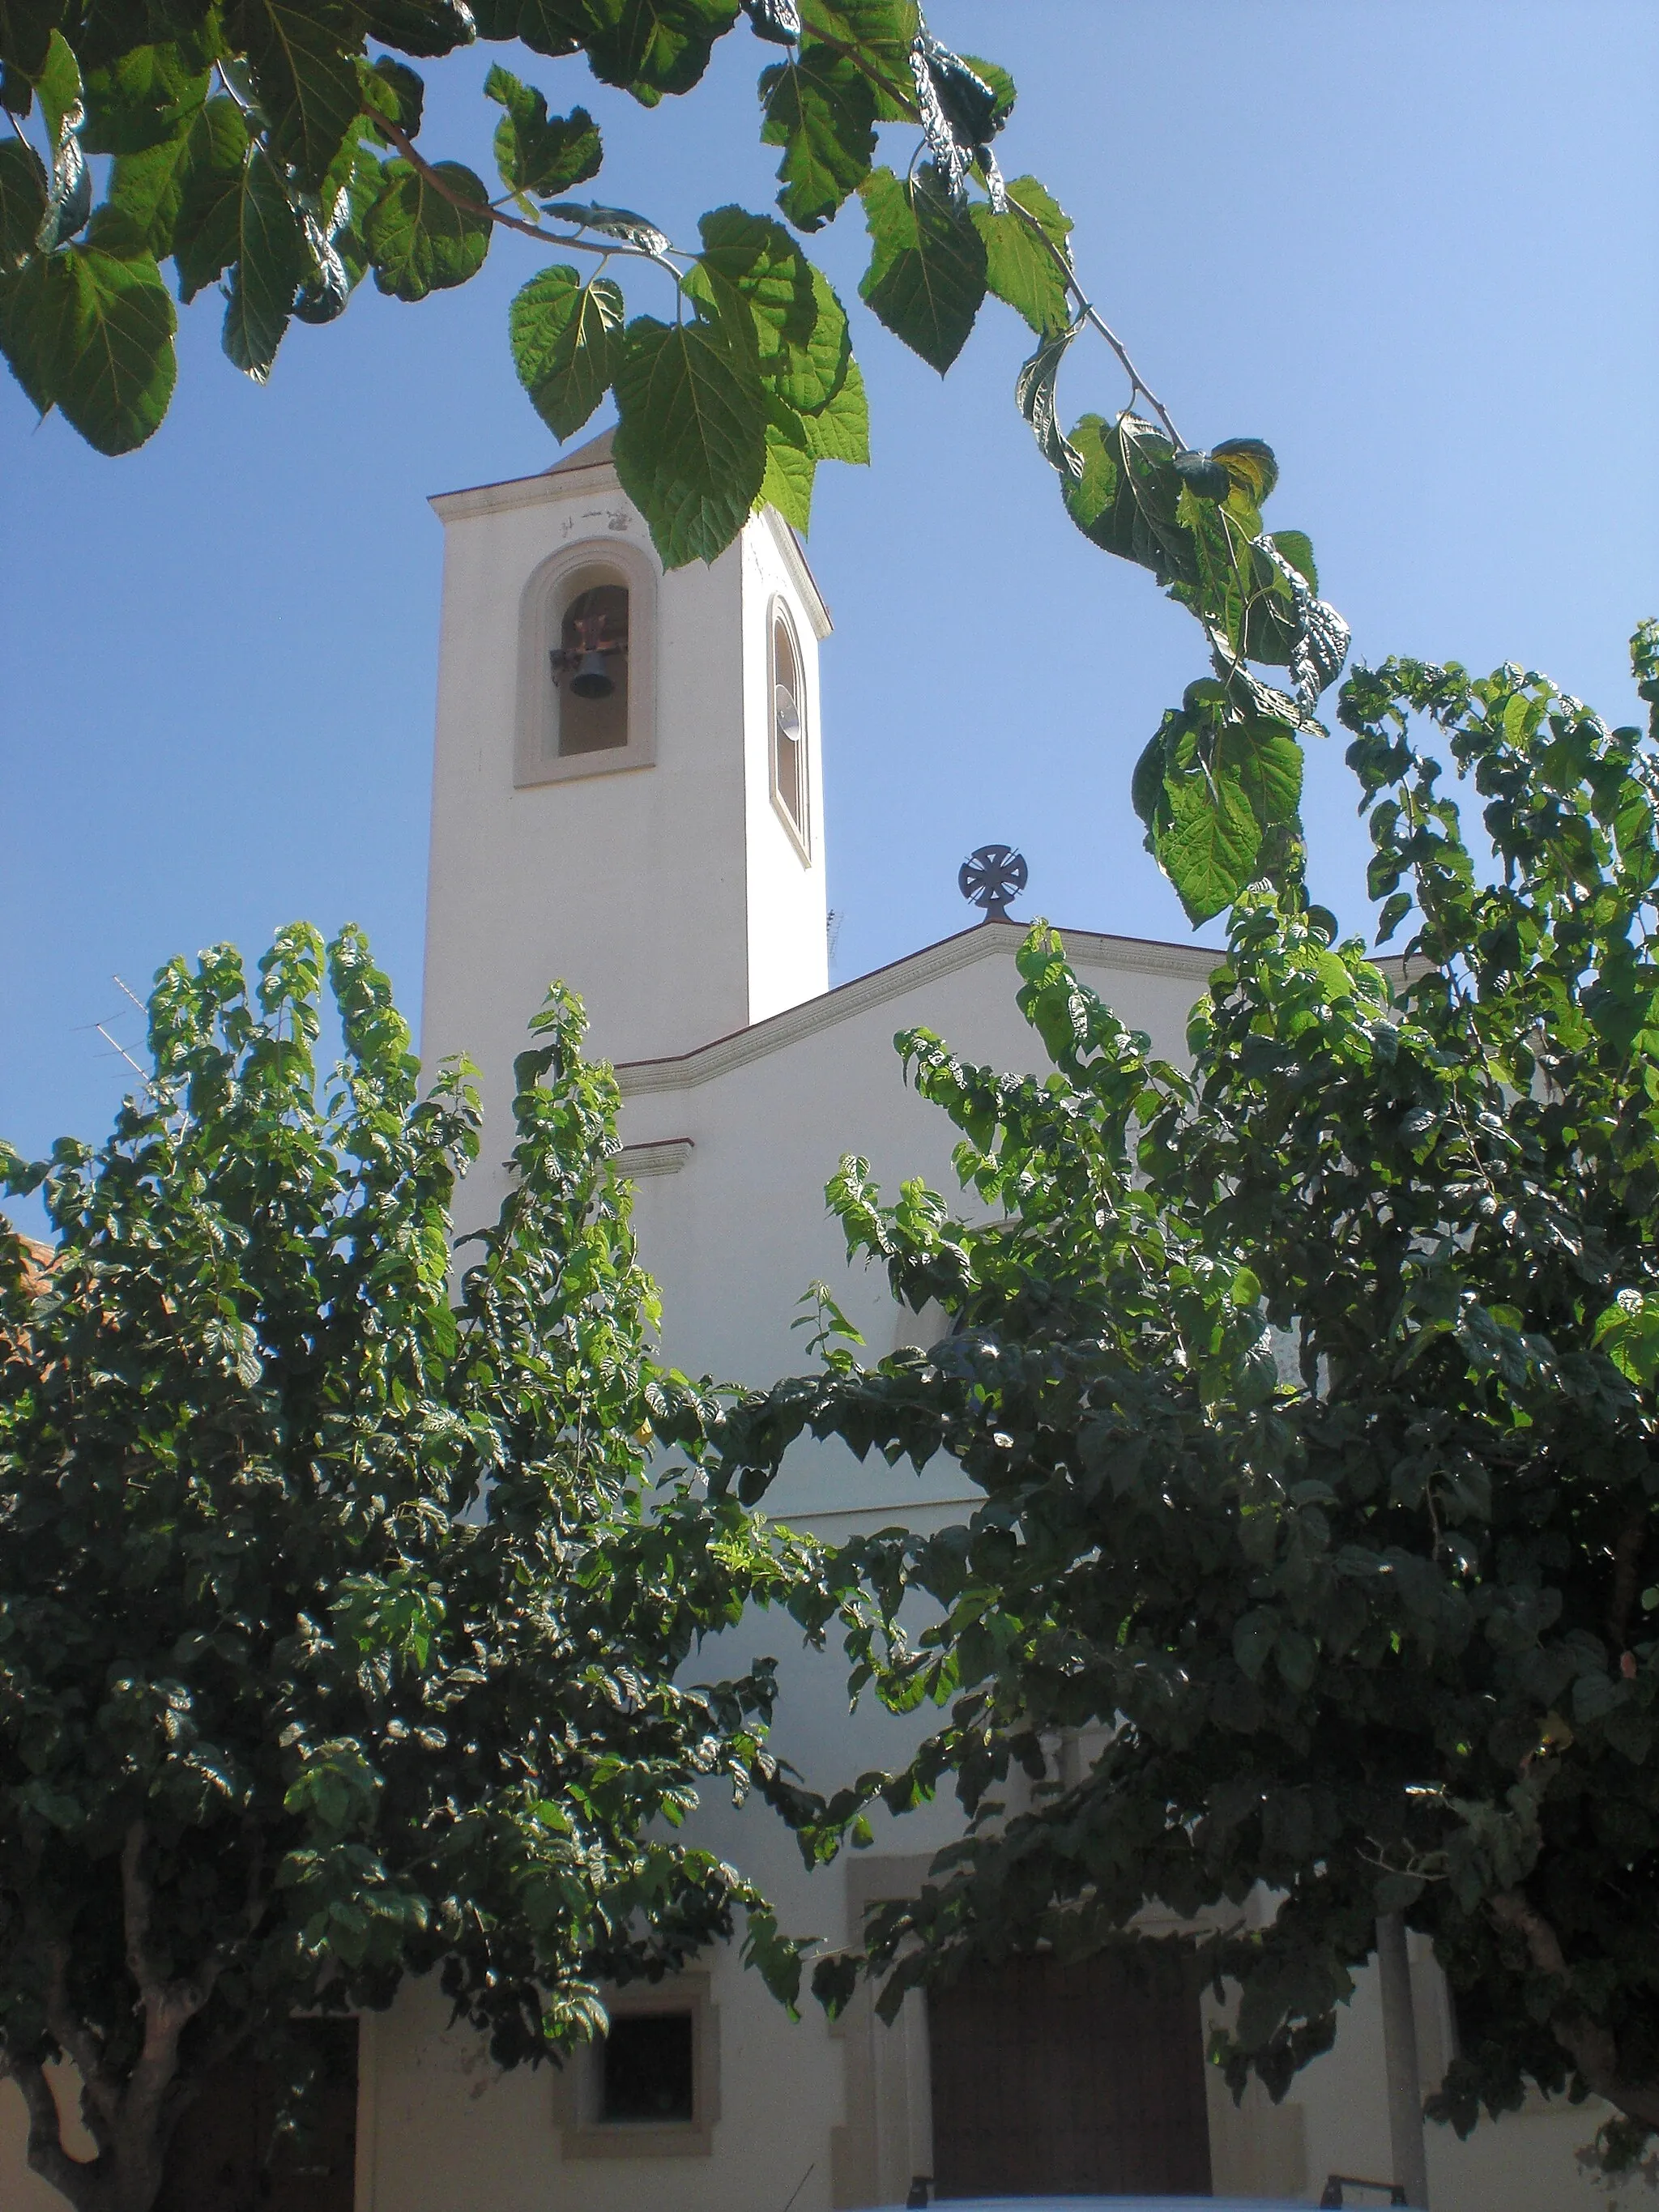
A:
(627, 790)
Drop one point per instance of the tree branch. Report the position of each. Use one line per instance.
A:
(1593, 2048)
(1097, 321)
(1626, 1559)
(441, 184)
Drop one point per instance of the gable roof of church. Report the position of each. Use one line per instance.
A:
(985, 940)
(595, 454)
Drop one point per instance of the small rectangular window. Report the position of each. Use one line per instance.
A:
(649, 2087)
(648, 2069)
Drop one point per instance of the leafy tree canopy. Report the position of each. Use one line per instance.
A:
(283, 1716)
(1312, 1394)
(275, 150)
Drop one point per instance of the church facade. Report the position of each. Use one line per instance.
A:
(628, 794)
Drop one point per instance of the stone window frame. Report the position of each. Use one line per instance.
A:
(552, 586)
(580, 2085)
(800, 833)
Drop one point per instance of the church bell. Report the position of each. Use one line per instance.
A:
(592, 679)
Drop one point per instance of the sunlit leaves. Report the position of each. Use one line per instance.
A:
(208, 221)
(649, 47)
(302, 69)
(150, 94)
(1035, 394)
(567, 345)
(269, 262)
(1220, 791)
(93, 335)
(535, 153)
(1028, 254)
(690, 444)
(927, 274)
(821, 110)
(427, 233)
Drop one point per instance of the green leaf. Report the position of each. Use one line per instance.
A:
(1209, 850)
(268, 263)
(1020, 268)
(208, 218)
(1628, 1333)
(1254, 1635)
(94, 334)
(927, 274)
(59, 89)
(391, 90)
(800, 326)
(821, 110)
(1396, 907)
(25, 29)
(302, 59)
(537, 154)
(690, 446)
(1298, 549)
(840, 430)
(1126, 499)
(650, 47)
(419, 240)
(787, 484)
(1252, 468)
(884, 31)
(1034, 390)
(145, 98)
(566, 339)
(419, 26)
(140, 212)
(1268, 763)
(22, 201)
(1003, 89)
(35, 305)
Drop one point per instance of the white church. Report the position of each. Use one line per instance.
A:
(628, 794)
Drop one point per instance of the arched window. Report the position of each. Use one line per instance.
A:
(586, 687)
(790, 784)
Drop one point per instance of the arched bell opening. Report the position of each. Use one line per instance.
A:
(590, 668)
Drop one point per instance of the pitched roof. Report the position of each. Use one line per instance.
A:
(595, 454)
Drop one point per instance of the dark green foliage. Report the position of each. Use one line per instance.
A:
(927, 263)
(537, 153)
(1312, 1397)
(342, 1610)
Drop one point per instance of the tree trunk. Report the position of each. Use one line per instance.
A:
(1593, 2049)
(1411, 2167)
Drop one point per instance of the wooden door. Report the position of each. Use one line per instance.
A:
(220, 2159)
(1070, 2080)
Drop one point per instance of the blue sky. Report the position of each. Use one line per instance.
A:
(1411, 245)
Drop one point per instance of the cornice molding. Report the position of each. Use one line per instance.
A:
(666, 1156)
(989, 940)
(525, 491)
(801, 576)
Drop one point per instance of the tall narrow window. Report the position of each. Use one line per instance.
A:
(590, 668)
(789, 782)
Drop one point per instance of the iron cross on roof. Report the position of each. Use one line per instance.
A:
(993, 877)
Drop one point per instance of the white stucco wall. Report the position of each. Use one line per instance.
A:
(670, 895)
